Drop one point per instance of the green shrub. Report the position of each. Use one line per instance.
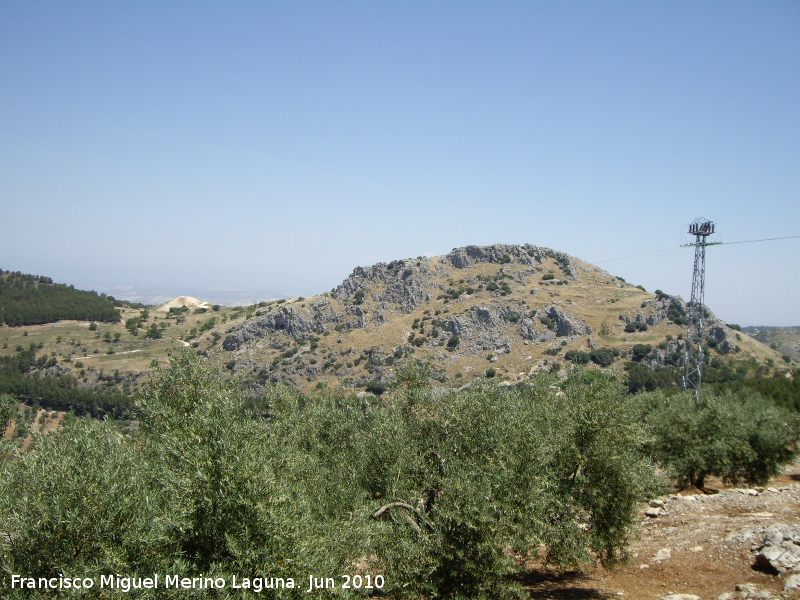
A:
(603, 356)
(676, 313)
(453, 342)
(578, 357)
(455, 501)
(132, 325)
(548, 277)
(208, 324)
(491, 372)
(640, 351)
(376, 387)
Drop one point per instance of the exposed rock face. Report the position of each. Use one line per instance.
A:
(404, 281)
(482, 327)
(503, 253)
(297, 322)
(469, 255)
(657, 309)
(408, 293)
(530, 330)
(724, 336)
(566, 324)
(666, 353)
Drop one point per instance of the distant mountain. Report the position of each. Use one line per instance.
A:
(785, 340)
(35, 299)
(503, 311)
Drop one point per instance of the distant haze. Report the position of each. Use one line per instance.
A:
(158, 295)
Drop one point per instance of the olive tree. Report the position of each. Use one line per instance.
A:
(74, 504)
(458, 487)
(737, 436)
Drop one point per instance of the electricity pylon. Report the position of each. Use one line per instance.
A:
(693, 355)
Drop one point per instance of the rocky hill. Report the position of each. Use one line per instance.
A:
(502, 311)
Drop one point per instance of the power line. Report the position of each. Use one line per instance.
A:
(788, 237)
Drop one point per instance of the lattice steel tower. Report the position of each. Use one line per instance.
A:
(693, 355)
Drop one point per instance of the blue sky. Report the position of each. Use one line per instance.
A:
(265, 148)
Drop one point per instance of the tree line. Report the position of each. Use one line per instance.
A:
(34, 300)
(19, 377)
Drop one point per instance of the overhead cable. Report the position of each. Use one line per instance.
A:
(788, 237)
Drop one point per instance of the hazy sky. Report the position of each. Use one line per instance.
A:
(267, 148)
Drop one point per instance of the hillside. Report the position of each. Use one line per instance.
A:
(785, 340)
(502, 311)
(34, 299)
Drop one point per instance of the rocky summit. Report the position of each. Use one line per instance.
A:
(503, 311)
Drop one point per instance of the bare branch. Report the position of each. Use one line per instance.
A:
(386, 507)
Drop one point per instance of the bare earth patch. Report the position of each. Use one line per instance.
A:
(702, 545)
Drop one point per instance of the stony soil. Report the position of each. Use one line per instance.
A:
(703, 546)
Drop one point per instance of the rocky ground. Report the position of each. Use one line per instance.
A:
(738, 543)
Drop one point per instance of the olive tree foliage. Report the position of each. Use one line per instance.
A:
(445, 493)
(228, 503)
(737, 436)
(8, 405)
(194, 490)
(74, 504)
(459, 487)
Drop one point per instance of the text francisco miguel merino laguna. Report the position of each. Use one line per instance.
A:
(254, 584)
